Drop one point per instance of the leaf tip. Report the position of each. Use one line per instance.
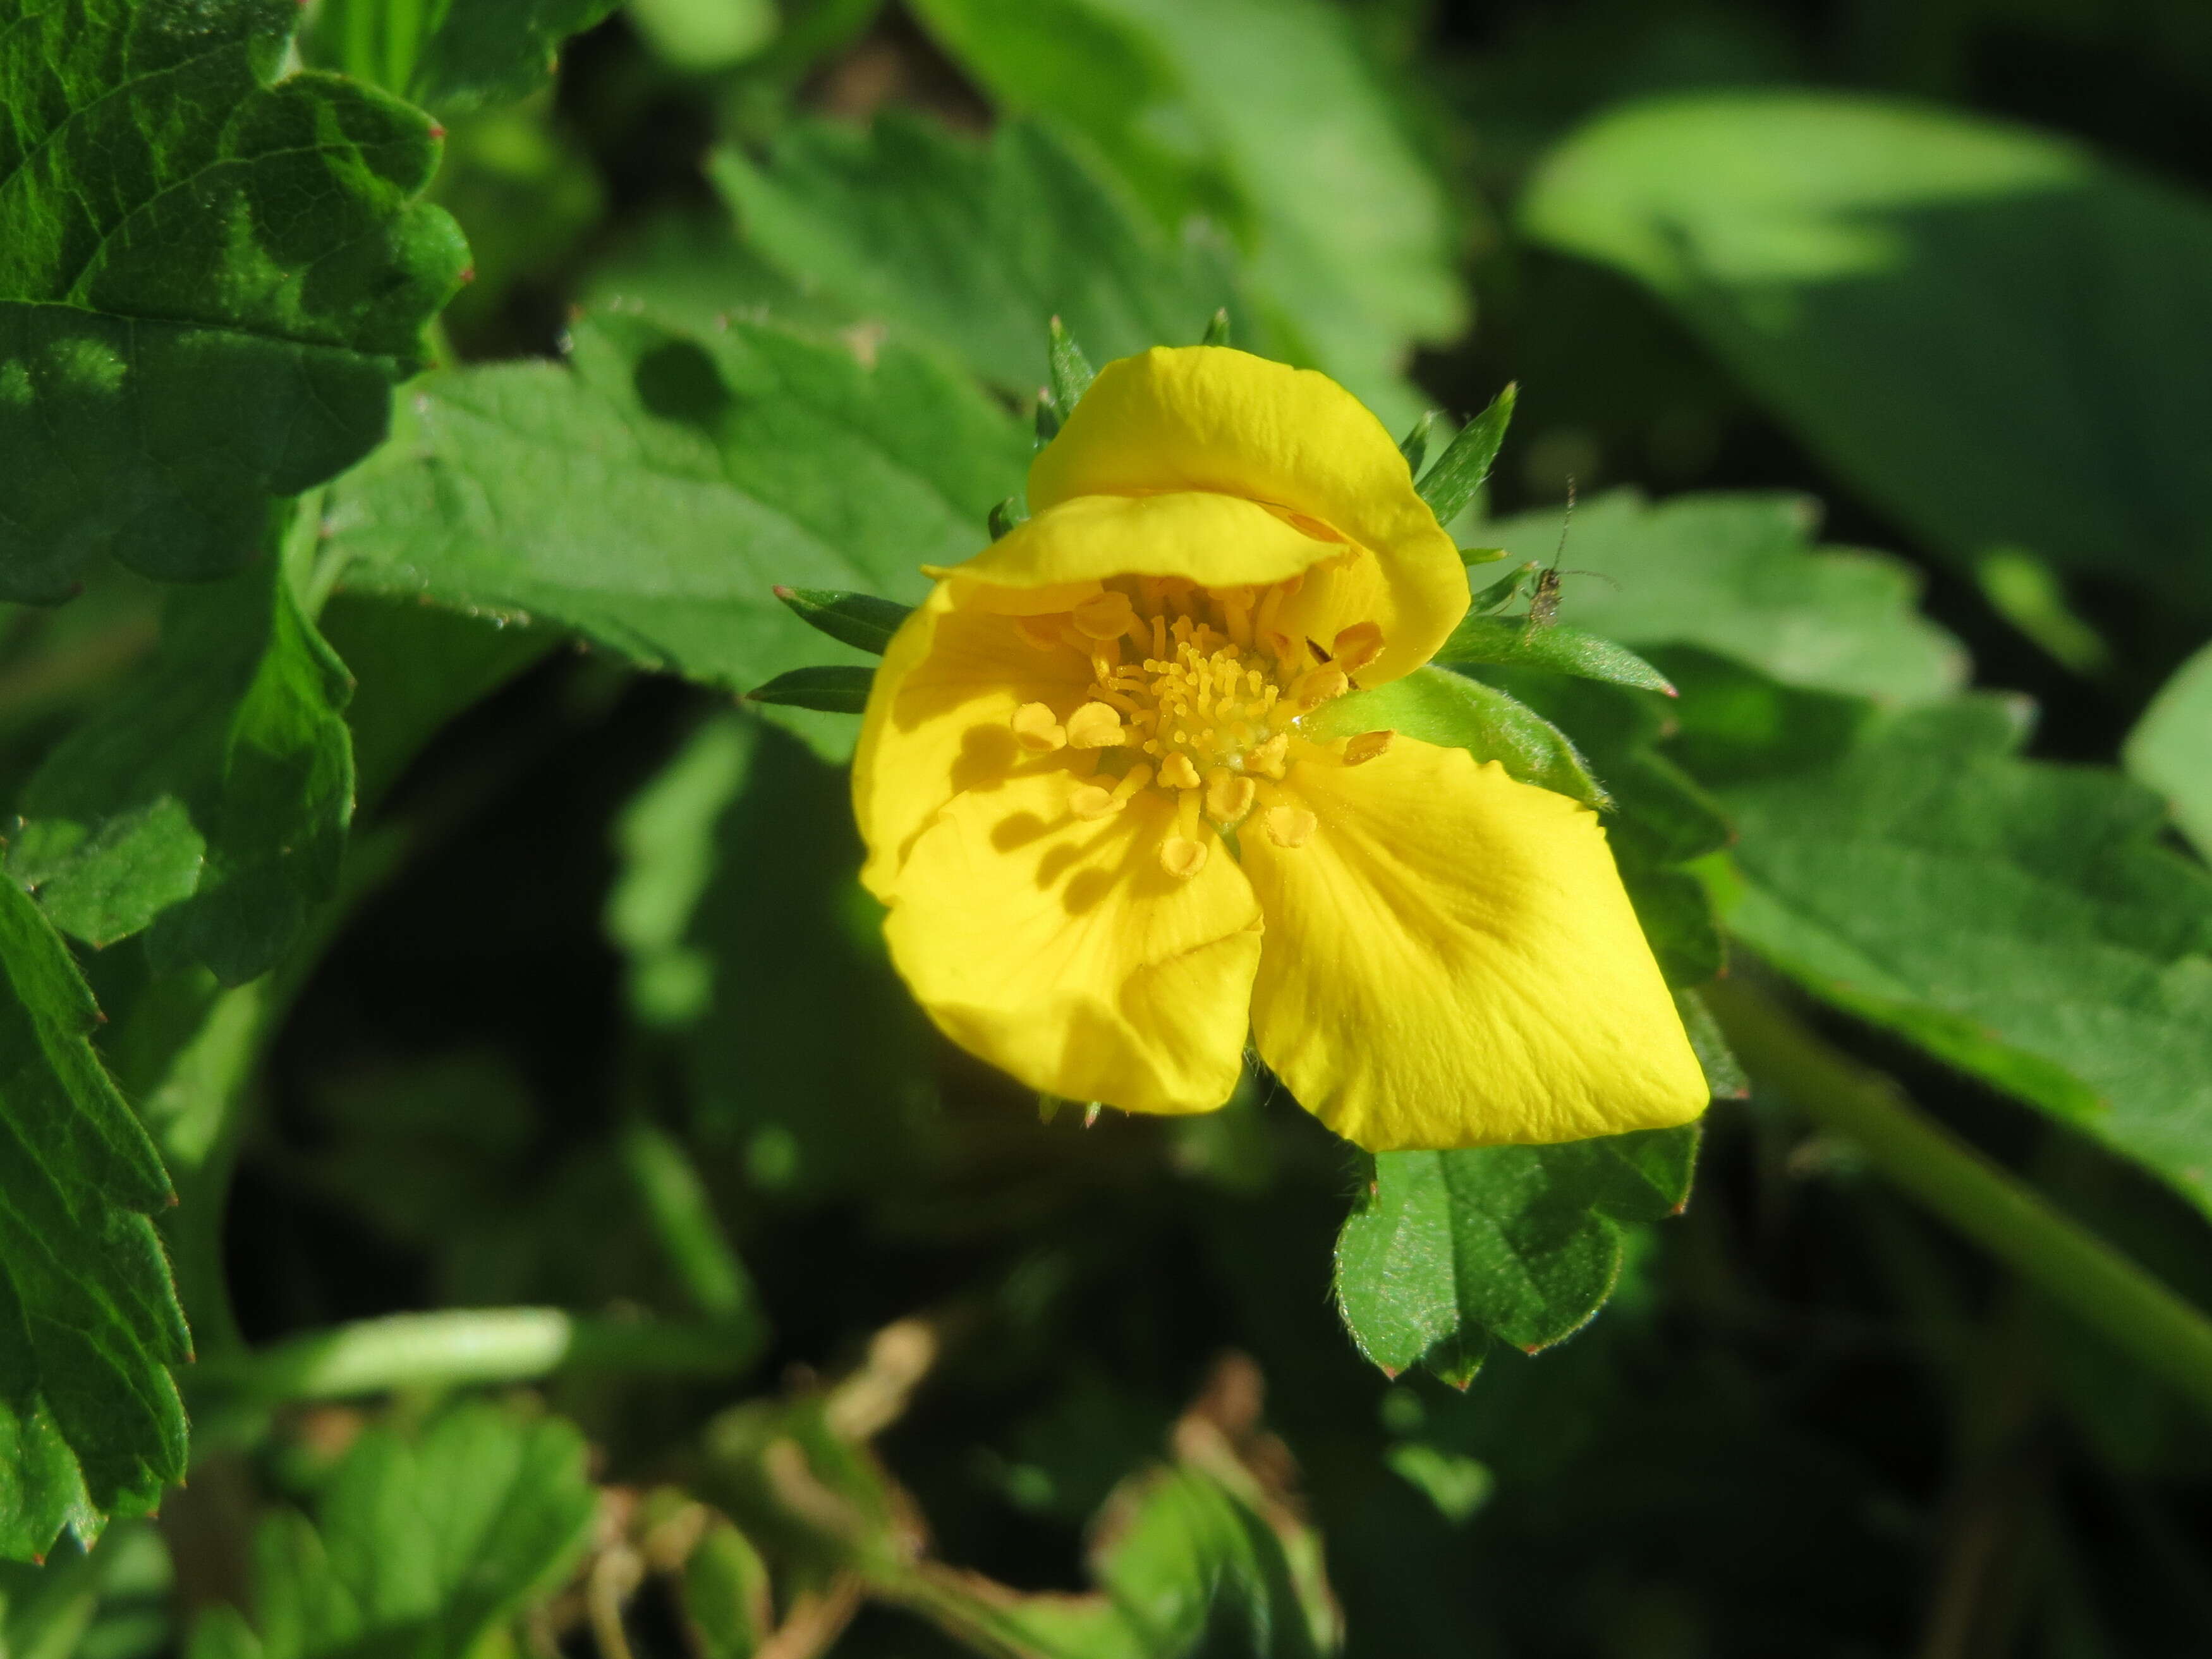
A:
(436, 131)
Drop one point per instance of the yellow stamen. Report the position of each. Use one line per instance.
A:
(1182, 853)
(1358, 646)
(1091, 801)
(1271, 758)
(1228, 795)
(1318, 685)
(1036, 731)
(1104, 616)
(1177, 773)
(1095, 725)
(1290, 826)
(1366, 747)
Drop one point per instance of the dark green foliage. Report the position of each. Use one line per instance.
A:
(860, 619)
(209, 800)
(448, 57)
(89, 1420)
(209, 284)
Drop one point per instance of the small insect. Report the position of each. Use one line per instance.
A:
(1544, 599)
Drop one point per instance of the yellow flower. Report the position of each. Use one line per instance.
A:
(1111, 847)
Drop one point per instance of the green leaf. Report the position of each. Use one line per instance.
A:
(211, 798)
(700, 37)
(1738, 574)
(1555, 646)
(2170, 748)
(1998, 338)
(860, 619)
(973, 248)
(654, 493)
(89, 1420)
(209, 284)
(1435, 705)
(1264, 116)
(419, 1548)
(1518, 1243)
(1464, 467)
(2018, 920)
(447, 58)
(842, 690)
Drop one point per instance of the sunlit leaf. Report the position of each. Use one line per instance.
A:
(653, 494)
(2016, 918)
(2170, 748)
(209, 283)
(1519, 1243)
(974, 247)
(1995, 335)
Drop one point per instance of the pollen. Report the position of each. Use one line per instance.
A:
(1182, 857)
(1359, 751)
(1036, 731)
(1177, 773)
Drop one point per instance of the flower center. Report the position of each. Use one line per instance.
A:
(1197, 692)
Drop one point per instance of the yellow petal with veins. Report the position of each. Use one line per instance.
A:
(939, 718)
(1057, 948)
(1451, 961)
(1208, 418)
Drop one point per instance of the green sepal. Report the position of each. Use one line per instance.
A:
(1502, 592)
(1069, 375)
(1216, 328)
(860, 619)
(1481, 555)
(1007, 514)
(1556, 646)
(1464, 467)
(839, 689)
(1414, 445)
(1434, 705)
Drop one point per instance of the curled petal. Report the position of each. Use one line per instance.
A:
(1056, 947)
(1206, 418)
(1214, 540)
(1451, 961)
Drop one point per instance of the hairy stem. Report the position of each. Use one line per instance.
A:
(2169, 1337)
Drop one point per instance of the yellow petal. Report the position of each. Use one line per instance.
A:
(1058, 949)
(1451, 961)
(941, 716)
(1217, 541)
(1208, 418)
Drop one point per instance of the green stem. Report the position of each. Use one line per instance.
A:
(2168, 1336)
(462, 1346)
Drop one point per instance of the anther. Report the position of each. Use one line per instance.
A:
(1289, 826)
(1228, 795)
(1271, 758)
(1105, 615)
(1091, 801)
(1095, 725)
(1177, 773)
(1182, 857)
(1318, 685)
(1358, 646)
(1366, 747)
(1036, 731)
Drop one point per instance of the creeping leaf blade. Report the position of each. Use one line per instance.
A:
(89, 1420)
